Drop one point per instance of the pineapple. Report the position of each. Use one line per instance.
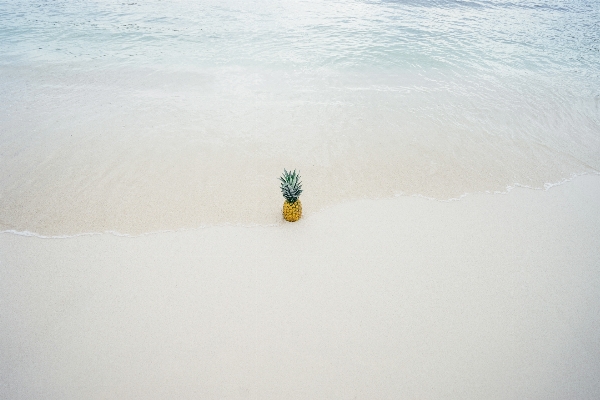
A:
(291, 187)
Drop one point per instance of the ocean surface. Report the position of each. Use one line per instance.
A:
(142, 116)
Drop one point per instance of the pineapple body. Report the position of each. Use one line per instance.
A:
(292, 211)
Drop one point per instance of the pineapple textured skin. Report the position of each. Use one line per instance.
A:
(292, 211)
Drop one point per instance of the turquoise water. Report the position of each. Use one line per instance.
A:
(151, 115)
(496, 37)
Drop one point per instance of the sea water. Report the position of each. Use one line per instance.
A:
(139, 116)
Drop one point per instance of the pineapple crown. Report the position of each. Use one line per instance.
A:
(291, 187)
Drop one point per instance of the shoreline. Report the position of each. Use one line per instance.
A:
(488, 297)
(508, 190)
(138, 153)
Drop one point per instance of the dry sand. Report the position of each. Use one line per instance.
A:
(489, 297)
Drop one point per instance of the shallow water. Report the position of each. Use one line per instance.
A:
(143, 116)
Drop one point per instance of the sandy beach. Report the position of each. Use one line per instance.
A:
(494, 296)
(449, 154)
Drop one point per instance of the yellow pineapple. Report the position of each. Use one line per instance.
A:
(292, 211)
(291, 187)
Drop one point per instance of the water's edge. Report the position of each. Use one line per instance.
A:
(509, 189)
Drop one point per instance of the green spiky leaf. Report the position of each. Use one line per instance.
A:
(291, 187)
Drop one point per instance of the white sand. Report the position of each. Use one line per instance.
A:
(490, 297)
